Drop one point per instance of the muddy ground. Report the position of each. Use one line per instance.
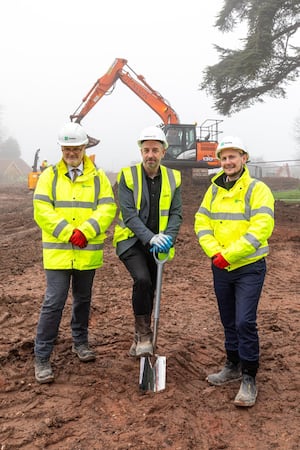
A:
(99, 405)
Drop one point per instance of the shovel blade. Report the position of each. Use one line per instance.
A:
(153, 376)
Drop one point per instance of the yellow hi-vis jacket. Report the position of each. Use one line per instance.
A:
(171, 179)
(236, 222)
(61, 205)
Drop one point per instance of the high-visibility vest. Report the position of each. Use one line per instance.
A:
(60, 205)
(171, 179)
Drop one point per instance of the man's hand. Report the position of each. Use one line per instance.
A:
(219, 261)
(161, 242)
(78, 239)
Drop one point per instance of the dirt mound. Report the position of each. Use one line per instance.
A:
(98, 405)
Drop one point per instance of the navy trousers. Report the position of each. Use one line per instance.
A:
(58, 285)
(238, 292)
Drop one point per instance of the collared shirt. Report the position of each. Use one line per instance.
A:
(71, 168)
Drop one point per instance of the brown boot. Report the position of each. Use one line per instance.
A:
(144, 345)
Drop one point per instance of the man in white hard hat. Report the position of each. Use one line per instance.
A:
(233, 224)
(150, 218)
(74, 206)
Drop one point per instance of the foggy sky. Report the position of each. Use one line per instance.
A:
(53, 52)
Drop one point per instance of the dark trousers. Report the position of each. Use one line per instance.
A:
(238, 294)
(58, 285)
(142, 267)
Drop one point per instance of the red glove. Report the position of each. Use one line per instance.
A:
(219, 261)
(78, 239)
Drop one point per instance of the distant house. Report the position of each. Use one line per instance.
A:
(13, 170)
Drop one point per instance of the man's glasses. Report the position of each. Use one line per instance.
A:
(76, 150)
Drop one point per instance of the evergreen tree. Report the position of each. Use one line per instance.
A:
(268, 60)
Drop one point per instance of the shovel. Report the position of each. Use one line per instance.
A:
(153, 373)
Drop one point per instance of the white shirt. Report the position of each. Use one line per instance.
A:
(79, 169)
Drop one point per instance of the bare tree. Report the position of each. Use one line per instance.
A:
(267, 62)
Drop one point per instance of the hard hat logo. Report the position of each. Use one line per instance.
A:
(68, 138)
(225, 143)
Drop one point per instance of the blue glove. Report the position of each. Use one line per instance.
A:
(168, 244)
(155, 249)
(161, 242)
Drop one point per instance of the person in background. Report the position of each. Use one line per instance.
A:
(233, 224)
(74, 206)
(150, 217)
(44, 165)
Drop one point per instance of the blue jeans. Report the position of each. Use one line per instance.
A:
(238, 294)
(58, 285)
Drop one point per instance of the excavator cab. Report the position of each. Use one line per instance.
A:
(192, 146)
(182, 142)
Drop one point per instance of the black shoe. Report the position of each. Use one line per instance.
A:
(83, 352)
(248, 392)
(43, 371)
(230, 372)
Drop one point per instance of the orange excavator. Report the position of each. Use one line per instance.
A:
(189, 145)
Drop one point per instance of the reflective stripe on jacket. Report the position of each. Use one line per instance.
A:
(61, 205)
(133, 176)
(237, 222)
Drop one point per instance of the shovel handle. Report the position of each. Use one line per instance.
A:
(160, 263)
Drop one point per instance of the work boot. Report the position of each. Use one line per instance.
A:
(132, 350)
(230, 372)
(248, 392)
(83, 352)
(42, 370)
(144, 345)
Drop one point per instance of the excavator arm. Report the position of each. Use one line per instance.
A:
(100, 88)
(136, 83)
(151, 97)
(187, 147)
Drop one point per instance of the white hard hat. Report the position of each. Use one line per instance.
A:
(153, 134)
(231, 142)
(72, 135)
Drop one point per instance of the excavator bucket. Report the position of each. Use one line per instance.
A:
(92, 142)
